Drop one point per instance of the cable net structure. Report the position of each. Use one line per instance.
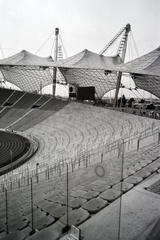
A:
(145, 71)
(27, 71)
(90, 69)
(31, 73)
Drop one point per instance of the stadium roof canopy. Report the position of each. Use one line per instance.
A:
(30, 72)
(87, 68)
(27, 71)
(148, 64)
(145, 71)
(90, 69)
(25, 58)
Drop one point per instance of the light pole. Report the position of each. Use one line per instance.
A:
(120, 207)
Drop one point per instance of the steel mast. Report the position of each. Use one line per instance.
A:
(121, 52)
(55, 59)
(114, 39)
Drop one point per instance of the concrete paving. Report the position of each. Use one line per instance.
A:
(140, 214)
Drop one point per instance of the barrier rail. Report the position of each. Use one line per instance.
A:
(102, 153)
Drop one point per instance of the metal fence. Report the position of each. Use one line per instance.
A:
(82, 159)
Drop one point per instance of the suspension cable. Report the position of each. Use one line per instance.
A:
(135, 44)
(44, 42)
(135, 93)
(140, 93)
(52, 47)
(130, 47)
(66, 86)
(2, 51)
(130, 56)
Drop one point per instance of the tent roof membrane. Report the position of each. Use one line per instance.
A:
(25, 58)
(83, 69)
(31, 72)
(27, 71)
(145, 71)
(148, 64)
(89, 69)
(89, 60)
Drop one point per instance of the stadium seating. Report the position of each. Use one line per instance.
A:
(24, 110)
(4, 95)
(27, 100)
(14, 97)
(49, 197)
(68, 132)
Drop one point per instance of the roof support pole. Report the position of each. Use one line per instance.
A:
(55, 59)
(117, 88)
(122, 49)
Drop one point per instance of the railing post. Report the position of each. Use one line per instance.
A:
(101, 157)
(37, 164)
(48, 171)
(86, 162)
(119, 150)
(138, 144)
(158, 137)
(72, 167)
(59, 170)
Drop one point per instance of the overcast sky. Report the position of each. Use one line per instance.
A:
(83, 24)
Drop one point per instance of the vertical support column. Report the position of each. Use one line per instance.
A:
(122, 48)
(55, 59)
(117, 89)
